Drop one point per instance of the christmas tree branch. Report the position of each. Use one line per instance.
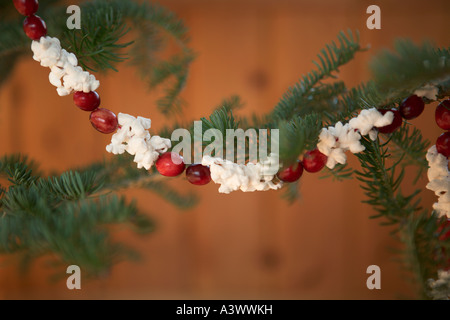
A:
(331, 58)
(99, 44)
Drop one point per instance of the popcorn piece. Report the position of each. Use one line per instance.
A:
(439, 180)
(369, 118)
(335, 141)
(134, 138)
(65, 74)
(440, 288)
(247, 178)
(428, 91)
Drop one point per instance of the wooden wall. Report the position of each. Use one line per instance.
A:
(240, 245)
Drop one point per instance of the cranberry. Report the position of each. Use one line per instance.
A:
(170, 164)
(442, 115)
(314, 160)
(292, 173)
(34, 27)
(443, 144)
(198, 174)
(412, 107)
(104, 120)
(26, 7)
(86, 101)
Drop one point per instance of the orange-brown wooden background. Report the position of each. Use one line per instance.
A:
(251, 245)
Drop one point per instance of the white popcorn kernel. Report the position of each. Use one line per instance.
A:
(247, 178)
(62, 91)
(54, 79)
(160, 144)
(428, 91)
(335, 141)
(64, 67)
(439, 181)
(134, 138)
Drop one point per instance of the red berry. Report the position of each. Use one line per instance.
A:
(170, 164)
(34, 27)
(198, 174)
(443, 144)
(292, 173)
(442, 115)
(396, 122)
(86, 101)
(444, 225)
(314, 160)
(104, 120)
(26, 7)
(412, 107)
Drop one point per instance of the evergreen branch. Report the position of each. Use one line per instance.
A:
(411, 147)
(298, 135)
(221, 119)
(417, 228)
(331, 59)
(233, 102)
(63, 215)
(338, 173)
(381, 183)
(423, 248)
(120, 173)
(19, 169)
(71, 185)
(291, 192)
(99, 44)
(394, 75)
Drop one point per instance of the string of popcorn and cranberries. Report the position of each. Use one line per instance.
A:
(131, 134)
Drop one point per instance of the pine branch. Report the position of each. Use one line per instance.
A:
(398, 74)
(338, 173)
(381, 183)
(291, 192)
(425, 252)
(409, 146)
(298, 135)
(99, 45)
(417, 229)
(63, 215)
(120, 173)
(331, 59)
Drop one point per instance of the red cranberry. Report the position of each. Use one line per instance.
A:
(314, 160)
(445, 225)
(396, 122)
(412, 107)
(443, 144)
(86, 101)
(292, 173)
(170, 164)
(442, 115)
(198, 174)
(104, 120)
(34, 27)
(26, 7)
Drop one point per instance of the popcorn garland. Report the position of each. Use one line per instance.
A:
(65, 73)
(335, 141)
(133, 137)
